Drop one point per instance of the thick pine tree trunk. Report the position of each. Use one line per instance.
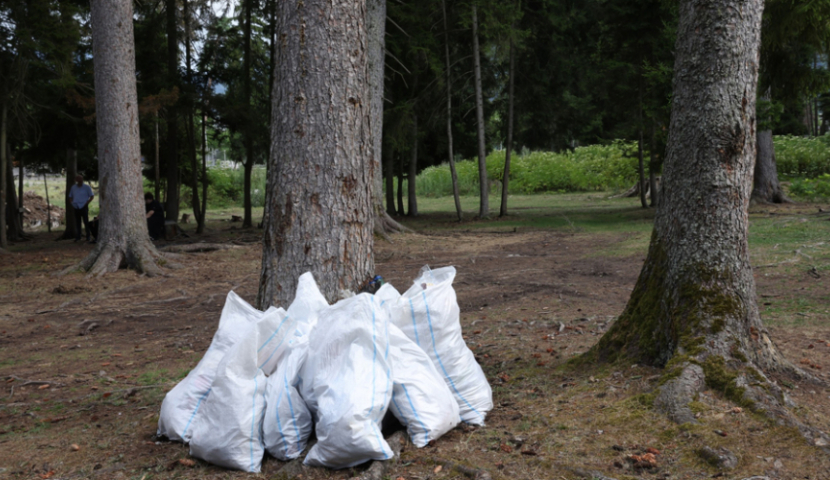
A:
(767, 189)
(693, 309)
(376, 29)
(69, 212)
(505, 181)
(172, 203)
(484, 184)
(412, 176)
(450, 154)
(122, 238)
(319, 215)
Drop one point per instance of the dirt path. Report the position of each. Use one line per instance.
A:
(110, 349)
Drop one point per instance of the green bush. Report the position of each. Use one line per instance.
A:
(811, 189)
(802, 156)
(226, 187)
(596, 167)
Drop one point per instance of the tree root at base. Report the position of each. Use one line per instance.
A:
(746, 386)
(386, 225)
(108, 258)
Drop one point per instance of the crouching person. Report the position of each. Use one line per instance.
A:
(155, 216)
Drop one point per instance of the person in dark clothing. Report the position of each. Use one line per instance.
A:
(155, 216)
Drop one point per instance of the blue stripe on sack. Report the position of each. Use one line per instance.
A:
(279, 425)
(411, 405)
(253, 422)
(194, 411)
(414, 323)
(272, 353)
(398, 407)
(273, 334)
(291, 407)
(431, 332)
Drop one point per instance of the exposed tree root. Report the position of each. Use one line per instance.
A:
(386, 225)
(472, 473)
(108, 258)
(740, 382)
(777, 199)
(197, 247)
(377, 470)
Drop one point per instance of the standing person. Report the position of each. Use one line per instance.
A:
(155, 216)
(81, 195)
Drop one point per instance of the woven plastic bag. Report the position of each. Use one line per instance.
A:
(429, 315)
(347, 377)
(182, 403)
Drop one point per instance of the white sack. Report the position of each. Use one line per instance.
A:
(182, 403)
(347, 376)
(275, 331)
(228, 430)
(288, 422)
(421, 400)
(428, 314)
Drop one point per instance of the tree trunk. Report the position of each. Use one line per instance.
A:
(204, 171)
(401, 210)
(767, 189)
(3, 161)
(376, 29)
(505, 181)
(157, 183)
(172, 204)
(13, 221)
(450, 154)
(640, 161)
(693, 309)
(191, 129)
(122, 237)
(411, 193)
(653, 166)
(484, 184)
(48, 205)
(390, 183)
(247, 221)
(320, 216)
(19, 209)
(69, 212)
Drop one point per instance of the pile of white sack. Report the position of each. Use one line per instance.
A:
(270, 378)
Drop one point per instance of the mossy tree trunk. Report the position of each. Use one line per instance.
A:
(693, 309)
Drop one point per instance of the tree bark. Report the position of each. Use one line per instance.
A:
(247, 221)
(19, 210)
(411, 191)
(767, 188)
(450, 154)
(320, 206)
(13, 221)
(3, 161)
(48, 205)
(172, 203)
(157, 183)
(640, 161)
(376, 29)
(122, 237)
(484, 184)
(653, 166)
(505, 181)
(390, 183)
(191, 129)
(693, 309)
(401, 210)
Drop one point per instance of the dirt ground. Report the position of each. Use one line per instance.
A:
(85, 363)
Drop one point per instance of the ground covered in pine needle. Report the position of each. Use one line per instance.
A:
(85, 363)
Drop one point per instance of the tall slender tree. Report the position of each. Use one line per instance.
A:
(693, 309)
(319, 216)
(122, 239)
(172, 204)
(484, 185)
(247, 135)
(448, 80)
